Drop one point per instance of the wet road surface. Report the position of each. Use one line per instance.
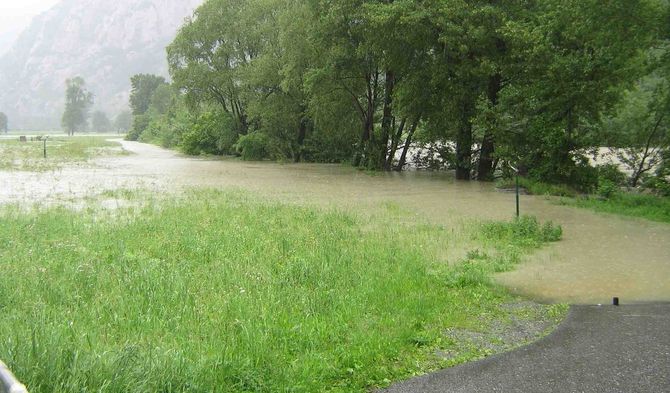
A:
(596, 350)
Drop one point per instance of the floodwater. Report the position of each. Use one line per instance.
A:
(601, 256)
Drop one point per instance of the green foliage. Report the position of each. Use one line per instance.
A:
(254, 147)
(648, 206)
(143, 87)
(213, 132)
(78, 101)
(527, 83)
(610, 180)
(607, 189)
(611, 173)
(140, 123)
(641, 127)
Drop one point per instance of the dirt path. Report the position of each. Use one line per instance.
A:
(601, 256)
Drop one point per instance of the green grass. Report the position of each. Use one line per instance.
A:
(631, 204)
(650, 207)
(29, 156)
(221, 292)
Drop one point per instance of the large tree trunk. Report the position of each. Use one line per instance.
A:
(367, 142)
(394, 145)
(387, 120)
(408, 142)
(302, 134)
(486, 161)
(464, 143)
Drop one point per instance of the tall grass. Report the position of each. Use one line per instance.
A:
(223, 293)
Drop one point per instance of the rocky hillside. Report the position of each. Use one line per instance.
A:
(105, 42)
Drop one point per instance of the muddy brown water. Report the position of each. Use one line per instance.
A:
(601, 256)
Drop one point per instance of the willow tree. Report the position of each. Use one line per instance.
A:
(208, 58)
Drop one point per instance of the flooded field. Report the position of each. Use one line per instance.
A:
(601, 256)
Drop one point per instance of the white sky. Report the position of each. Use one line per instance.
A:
(15, 15)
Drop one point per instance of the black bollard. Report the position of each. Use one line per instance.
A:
(615, 301)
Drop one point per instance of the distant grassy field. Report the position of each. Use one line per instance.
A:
(29, 156)
(222, 292)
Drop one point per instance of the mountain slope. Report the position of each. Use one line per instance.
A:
(105, 42)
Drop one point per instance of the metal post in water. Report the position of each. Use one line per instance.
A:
(517, 195)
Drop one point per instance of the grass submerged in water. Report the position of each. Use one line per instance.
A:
(220, 292)
(29, 156)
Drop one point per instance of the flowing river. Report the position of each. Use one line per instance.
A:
(600, 256)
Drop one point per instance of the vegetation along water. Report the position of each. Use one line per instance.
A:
(316, 225)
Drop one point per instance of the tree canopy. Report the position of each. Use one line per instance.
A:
(487, 84)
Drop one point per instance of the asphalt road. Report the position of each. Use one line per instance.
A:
(597, 349)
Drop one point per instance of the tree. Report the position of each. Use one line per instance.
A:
(4, 125)
(142, 89)
(100, 122)
(208, 57)
(78, 100)
(123, 121)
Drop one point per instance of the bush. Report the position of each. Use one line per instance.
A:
(607, 189)
(254, 146)
(611, 173)
(212, 133)
(140, 123)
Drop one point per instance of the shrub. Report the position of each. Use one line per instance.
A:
(611, 173)
(212, 133)
(607, 189)
(254, 146)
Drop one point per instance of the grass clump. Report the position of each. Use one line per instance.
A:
(222, 292)
(29, 156)
(506, 243)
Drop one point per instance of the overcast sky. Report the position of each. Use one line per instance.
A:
(15, 15)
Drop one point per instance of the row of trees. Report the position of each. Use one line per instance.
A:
(489, 83)
(78, 102)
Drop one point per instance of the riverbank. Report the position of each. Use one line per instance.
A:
(600, 256)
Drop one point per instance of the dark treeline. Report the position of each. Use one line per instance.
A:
(489, 84)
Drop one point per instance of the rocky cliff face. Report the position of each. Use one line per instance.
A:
(103, 41)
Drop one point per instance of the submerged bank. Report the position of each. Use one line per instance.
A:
(600, 256)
